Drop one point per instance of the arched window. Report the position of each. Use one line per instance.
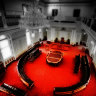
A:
(25, 8)
(5, 47)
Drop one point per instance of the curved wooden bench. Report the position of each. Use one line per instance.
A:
(54, 57)
(12, 90)
(79, 86)
(28, 82)
(24, 78)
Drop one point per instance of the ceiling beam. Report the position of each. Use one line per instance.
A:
(66, 2)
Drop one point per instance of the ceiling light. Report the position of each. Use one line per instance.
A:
(33, 17)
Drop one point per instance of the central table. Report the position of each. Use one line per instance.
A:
(54, 57)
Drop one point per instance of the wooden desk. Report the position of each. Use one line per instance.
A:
(54, 57)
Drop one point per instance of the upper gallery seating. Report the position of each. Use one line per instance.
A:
(85, 70)
(34, 54)
(94, 25)
(13, 91)
(12, 20)
(67, 21)
(89, 22)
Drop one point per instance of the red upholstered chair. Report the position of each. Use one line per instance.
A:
(62, 40)
(56, 40)
(68, 41)
(47, 47)
(48, 42)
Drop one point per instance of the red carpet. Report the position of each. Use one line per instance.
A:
(47, 77)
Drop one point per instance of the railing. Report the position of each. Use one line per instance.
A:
(90, 22)
(89, 25)
(1, 23)
(12, 20)
(32, 54)
(62, 18)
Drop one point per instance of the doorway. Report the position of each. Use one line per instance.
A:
(76, 13)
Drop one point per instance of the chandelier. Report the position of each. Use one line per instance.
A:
(33, 17)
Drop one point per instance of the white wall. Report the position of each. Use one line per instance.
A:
(91, 42)
(41, 34)
(63, 34)
(92, 48)
(71, 34)
(14, 7)
(67, 9)
(53, 34)
(36, 36)
(49, 34)
(19, 42)
(1, 58)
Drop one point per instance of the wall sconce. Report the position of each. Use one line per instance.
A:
(33, 35)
